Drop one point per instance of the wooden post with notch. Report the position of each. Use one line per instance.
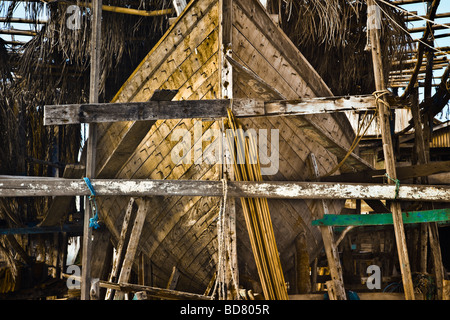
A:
(226, 92)
(336, 284)
(91, 145)
(384, 114)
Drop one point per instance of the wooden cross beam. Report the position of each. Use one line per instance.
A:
(440, 215)
(34, 187)
(207, 109)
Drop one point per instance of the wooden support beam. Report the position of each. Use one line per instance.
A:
(441, 215)
(384, 115)
(173, 280)
(35, 187)
(130, 254)
(207, 109)
(91, 144)
(153, 291)
(59, 205)
(123, 240)
(334, 264)
(71, 228)
(131, 139)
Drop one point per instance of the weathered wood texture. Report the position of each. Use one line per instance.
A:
(156, 109)
(35, 187)
(60, 205)
(95, 53)
(153, 291)
(181, 231)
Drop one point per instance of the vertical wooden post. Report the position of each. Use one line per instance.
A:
(425, 142)
(91, 145)
(388, 150)
(123, 240)
(337, 282)
(303, 281)
(226, 92)
(226, 40)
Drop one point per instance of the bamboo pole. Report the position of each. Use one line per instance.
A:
(123, 10)
(384, 115)
(257, 216)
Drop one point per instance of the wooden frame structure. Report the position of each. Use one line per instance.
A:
(139, 105)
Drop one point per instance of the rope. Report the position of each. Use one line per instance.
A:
(220, 279)
(93, 222)
(358, 137)
(397, 185)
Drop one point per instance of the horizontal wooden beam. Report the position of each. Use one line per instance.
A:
(136, 111)
(153, 291)
(209, 109)
(72, 228)
(34, 187)
(344, 220)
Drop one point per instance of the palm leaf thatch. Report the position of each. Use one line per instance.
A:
(332, 34)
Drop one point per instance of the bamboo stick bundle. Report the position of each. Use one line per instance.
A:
(257, 215)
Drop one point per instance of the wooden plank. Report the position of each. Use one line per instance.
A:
(280, 40)
(132, 247)
(252, 81)
(135, 111)
(35, 187)
(440, 215)
(131, 140)
(336, 284)
(384, 121)
(153, 291)
(173, 280)
(123, 240)
(160, 107)
(59, 206)
(225, 48)
(91, 144)
(71, 228)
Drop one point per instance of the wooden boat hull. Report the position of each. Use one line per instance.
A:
(182, 231)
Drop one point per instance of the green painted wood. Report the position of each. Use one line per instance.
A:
(440, 215)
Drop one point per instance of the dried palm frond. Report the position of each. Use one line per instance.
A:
(332, 34)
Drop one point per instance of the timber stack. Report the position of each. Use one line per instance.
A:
(223, 159)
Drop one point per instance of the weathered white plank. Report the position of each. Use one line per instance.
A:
(211, 109)
(269, 189)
